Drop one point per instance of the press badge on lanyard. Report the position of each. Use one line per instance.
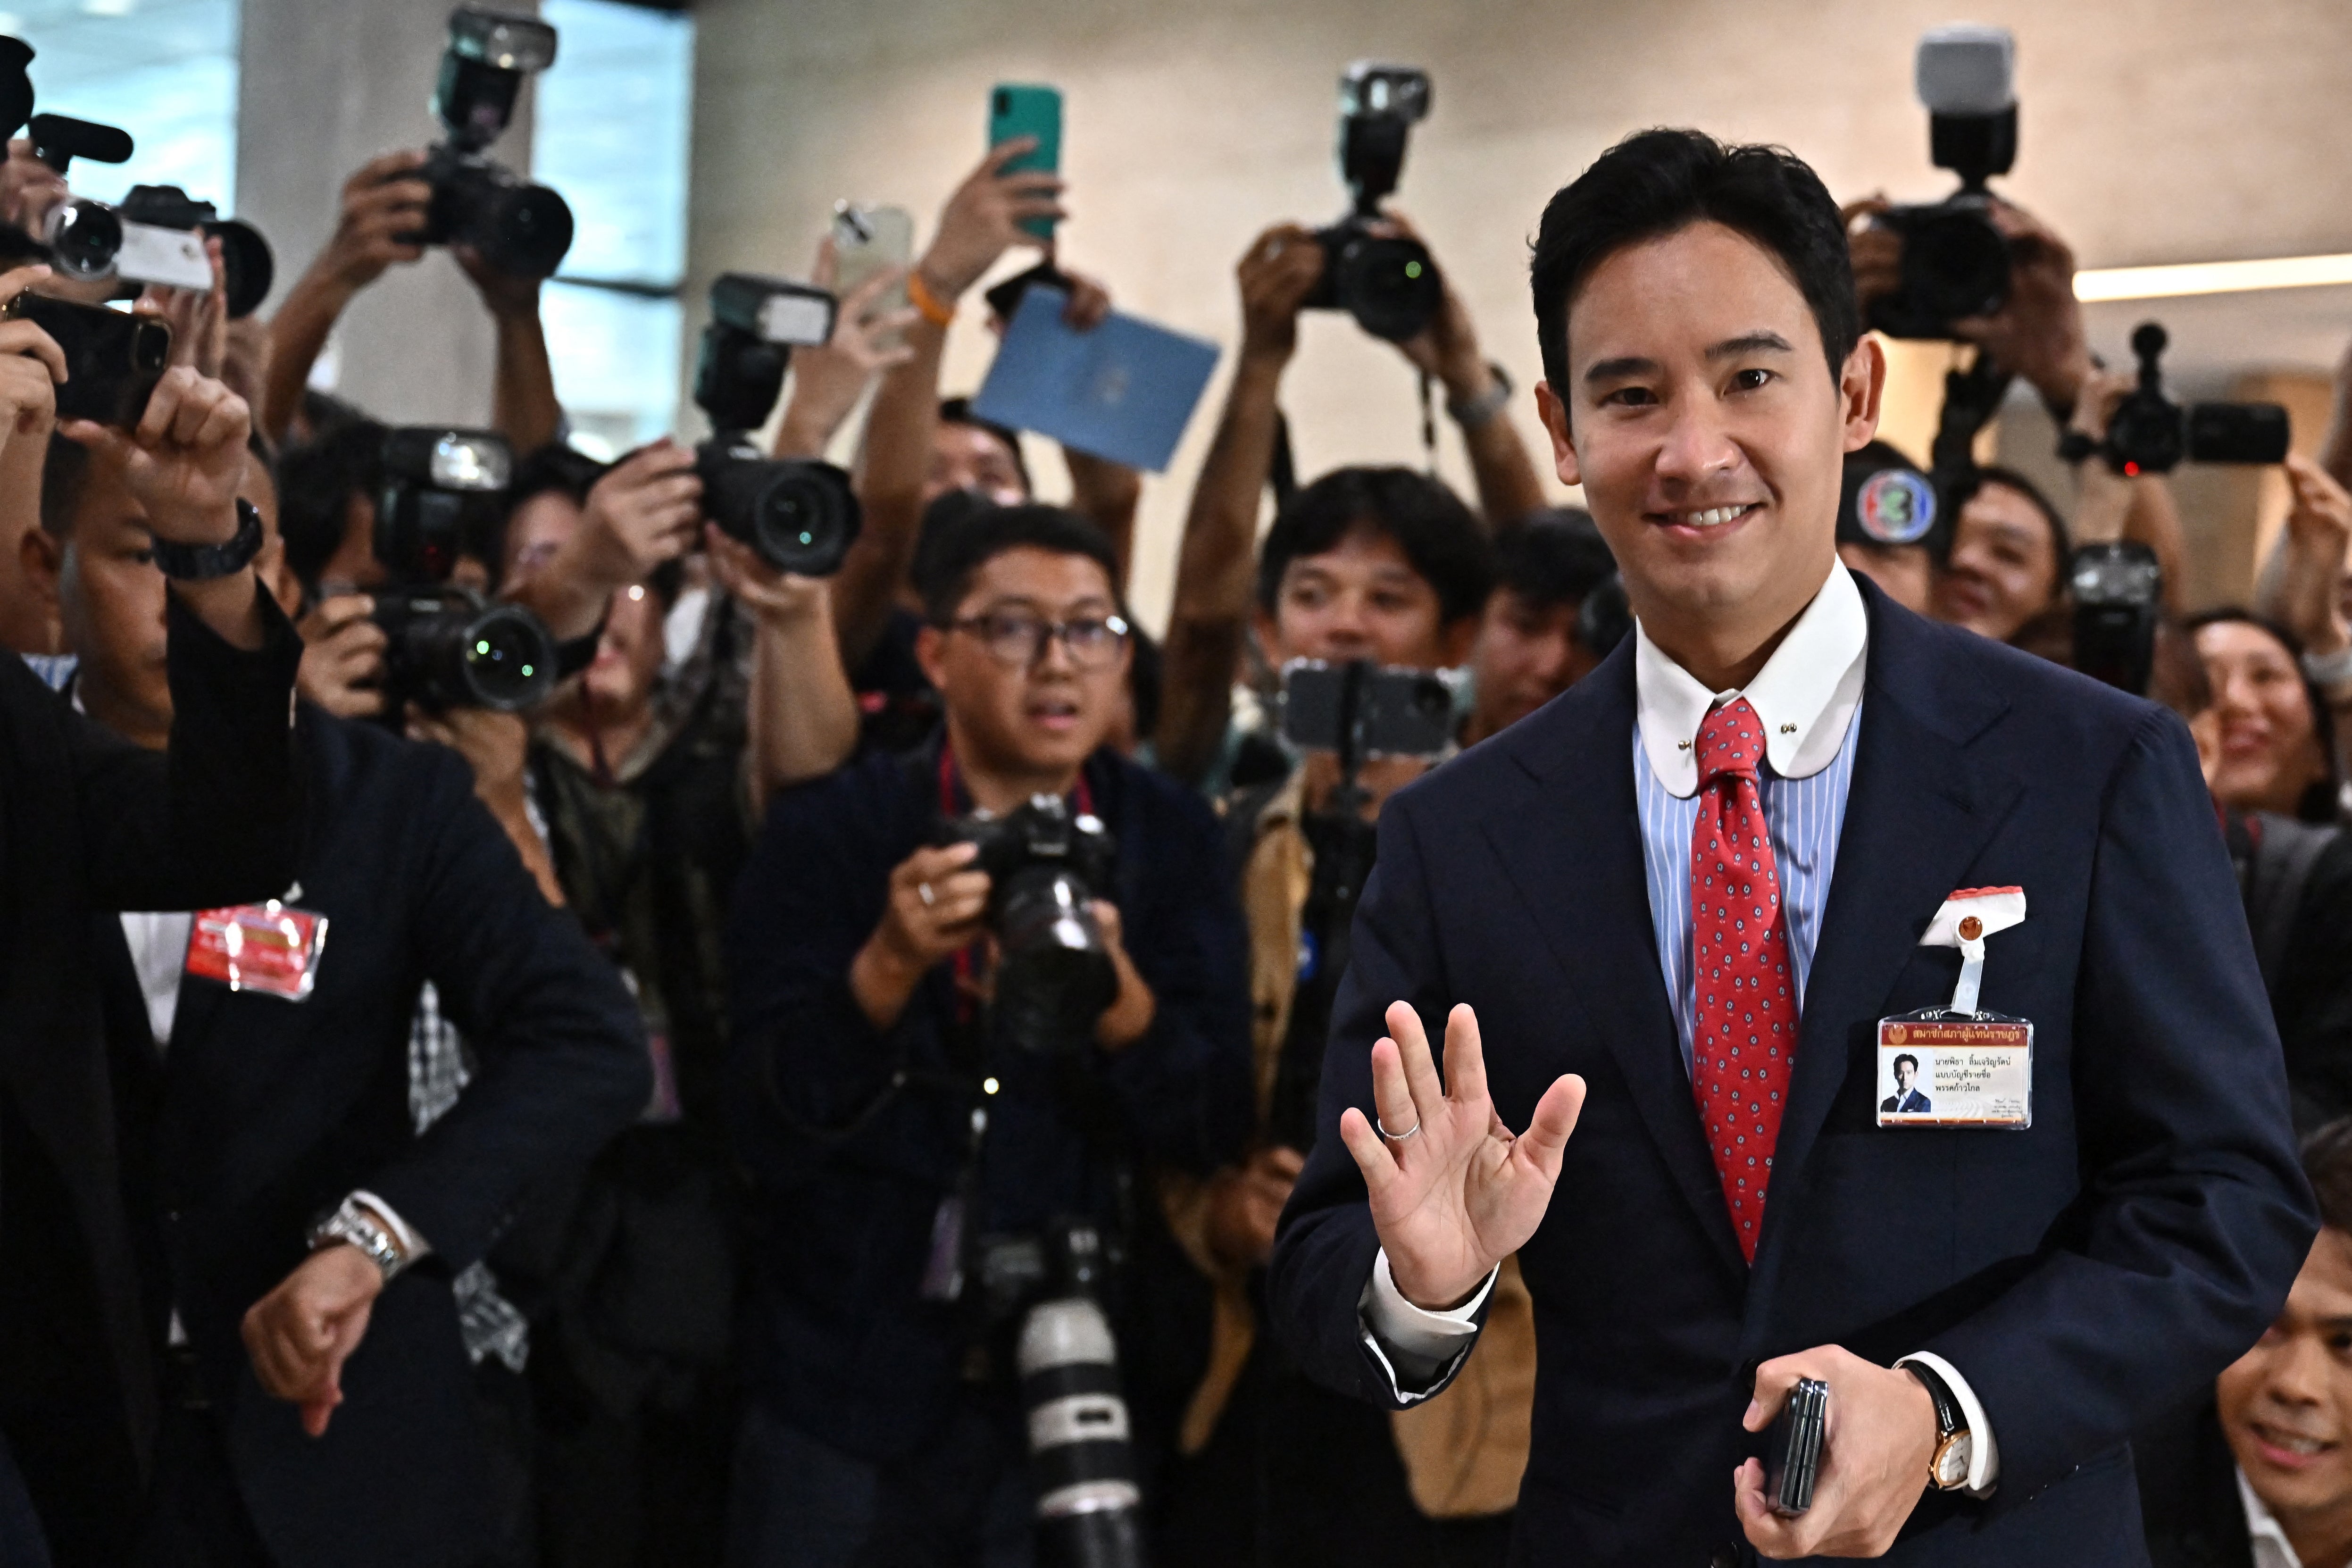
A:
(1959, 1065)
(271, 948)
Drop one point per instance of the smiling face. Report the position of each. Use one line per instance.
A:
(1036, 721)
(2004, 566)
(1710, 437)
(2286, 1404)
(1360, 599)
(2267, 750)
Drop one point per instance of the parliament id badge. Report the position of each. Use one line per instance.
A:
(271, 948)
(1959, 1065)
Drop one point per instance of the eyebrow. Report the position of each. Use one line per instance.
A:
(1758, 341)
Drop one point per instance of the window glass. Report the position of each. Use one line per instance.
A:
(164, 70)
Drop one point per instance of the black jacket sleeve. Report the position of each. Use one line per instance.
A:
(2194, 1215)
(2313, 995)
(560, 1062)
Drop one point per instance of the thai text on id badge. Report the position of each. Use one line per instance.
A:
(271, 948)
(1959, 1065)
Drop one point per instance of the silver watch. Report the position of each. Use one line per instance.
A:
(353, 1223)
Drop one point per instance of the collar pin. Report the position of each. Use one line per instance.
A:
(1788, 729)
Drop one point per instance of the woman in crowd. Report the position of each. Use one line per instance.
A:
(2269, 742)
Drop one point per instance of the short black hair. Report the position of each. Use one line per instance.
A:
(2327, 1166)
(1555, 557)
(1965, 488)
(1439, 536)
(1907, 1056)
(1654, 183)
(972, 541)
(958, 411)
(65, 475)
(555, 469)
(2318, 802)
(316, 482)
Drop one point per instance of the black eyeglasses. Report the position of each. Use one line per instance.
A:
(1018, 639)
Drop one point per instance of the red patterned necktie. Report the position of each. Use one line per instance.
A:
(1744, 1026)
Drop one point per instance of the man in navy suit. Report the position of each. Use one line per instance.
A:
(1906, 1100)
(1675, 904)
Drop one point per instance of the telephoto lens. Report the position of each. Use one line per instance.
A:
(450, 648)
(1387, 282)
(520, 228)
(1081, 1456)
(801, 516)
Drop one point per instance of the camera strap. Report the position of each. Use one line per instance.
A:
(1428, 427)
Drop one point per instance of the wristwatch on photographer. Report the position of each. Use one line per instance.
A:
(354, 1222)
(1474, 413)
(1955, 1445)
(204, 563)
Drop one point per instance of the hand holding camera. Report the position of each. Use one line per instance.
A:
(868, 342)
(183, 460)
(28, 187)
(2037, 332)
(2318, 537)
(342, 656)
(643, 513)
(1446, 350)
(983, 220)
(936, 908)
(1280, 269)
(383, 208)
(31, 364)
(198, 317)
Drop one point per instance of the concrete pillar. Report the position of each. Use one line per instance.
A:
(322, 89)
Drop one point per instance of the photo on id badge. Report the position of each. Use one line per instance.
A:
(1960, 1065)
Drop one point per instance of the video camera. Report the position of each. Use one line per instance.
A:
(801, 516)
(1956, 264)
(1388, 282)
(1055, 977)
(520, 228)
(447, 646)
(2151, 434)
(156, 236)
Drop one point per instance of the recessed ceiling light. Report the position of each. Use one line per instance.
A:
(109, 7)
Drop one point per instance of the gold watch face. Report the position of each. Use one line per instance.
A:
(1949, 1468)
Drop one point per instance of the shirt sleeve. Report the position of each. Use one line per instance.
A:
(1419, 1349)
(1984, 1454)
(413, 1245)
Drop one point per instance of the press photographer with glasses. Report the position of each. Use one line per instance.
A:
(925, 1077)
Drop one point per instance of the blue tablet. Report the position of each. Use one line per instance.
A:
(1124, 391)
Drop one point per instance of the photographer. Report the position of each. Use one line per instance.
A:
(95, 824)
(2306, 583)
(2008, 561)
(1529, 648)
(383, 212)
(904, 1123)
(284, 1124)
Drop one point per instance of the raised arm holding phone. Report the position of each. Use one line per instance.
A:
(1680, 924)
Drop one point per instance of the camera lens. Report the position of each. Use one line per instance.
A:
(1389, 284)
(1955, 266)
(85, 237)
(527, 231)
(508, 660)
(801, 517)
(1055, 977)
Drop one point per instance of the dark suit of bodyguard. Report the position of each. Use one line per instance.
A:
(264, 1113)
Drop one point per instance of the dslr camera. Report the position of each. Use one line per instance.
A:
(447, 645)
(2151, 434)
(156, 236)
(1956, 264)
(520, 228)
(1389, 283)
(1055, 977)
(799, 515)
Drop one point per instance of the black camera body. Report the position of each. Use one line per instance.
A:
(1055, 977)
(801, 515)
(1388, 282)
(2118, 590)
(520, 228)
(2151, 434)
(1956, 264)
(248, 265)
(445, 646)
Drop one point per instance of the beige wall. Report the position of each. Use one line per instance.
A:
(2153, 131)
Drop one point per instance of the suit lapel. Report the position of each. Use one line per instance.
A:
(1573, 851)
(1916, 819)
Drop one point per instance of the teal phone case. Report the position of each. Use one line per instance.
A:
(1017, 110)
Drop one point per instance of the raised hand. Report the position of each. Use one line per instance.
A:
(384, 211)
(1453, 1190)
(1276, 273)
(981, 220)
(185, 458)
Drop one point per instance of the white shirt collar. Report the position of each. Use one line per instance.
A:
(2264, 1534)
(1806, 693)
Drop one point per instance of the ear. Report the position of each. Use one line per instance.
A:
(1860, 391)
(42, 556)
(932, 654)
(1555, 423)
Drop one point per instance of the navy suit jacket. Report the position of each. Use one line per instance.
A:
(2082, 1275)
(263, 1113)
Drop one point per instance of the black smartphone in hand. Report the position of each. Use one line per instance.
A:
(113, 358)
(1793, 1456)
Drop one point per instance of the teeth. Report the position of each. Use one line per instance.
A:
(1713, 516)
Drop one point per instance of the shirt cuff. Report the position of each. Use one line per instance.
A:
(413, 1247)
(1419, 1349)
(1984, 1454)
